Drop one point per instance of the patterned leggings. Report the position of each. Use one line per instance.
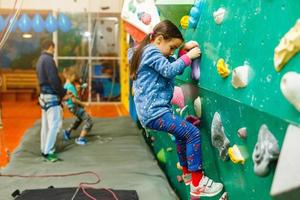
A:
(187, 136)
(82, 116)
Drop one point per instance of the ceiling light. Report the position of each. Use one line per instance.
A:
(27, 35)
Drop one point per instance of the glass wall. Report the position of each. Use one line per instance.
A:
(93, 46)
(21, 50)
(105, 80)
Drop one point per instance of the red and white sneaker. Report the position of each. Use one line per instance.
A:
(206, 188)
(187, 178)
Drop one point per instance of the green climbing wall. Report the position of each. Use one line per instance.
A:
(249, 33)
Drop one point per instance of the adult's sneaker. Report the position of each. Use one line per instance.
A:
(51, 157)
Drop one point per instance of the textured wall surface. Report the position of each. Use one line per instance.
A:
(248, 35)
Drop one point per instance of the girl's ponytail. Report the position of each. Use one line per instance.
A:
(136, 58)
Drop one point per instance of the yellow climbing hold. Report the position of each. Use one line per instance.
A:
(178, 166)
(222, 68)
(235, 155)
(184, 22)
(161, 156)
(289, 45)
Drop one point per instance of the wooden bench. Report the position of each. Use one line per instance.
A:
(19, 85)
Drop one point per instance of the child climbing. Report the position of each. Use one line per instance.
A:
(76, 107)
(153, 70)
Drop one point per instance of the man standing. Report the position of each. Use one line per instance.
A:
(52, 93)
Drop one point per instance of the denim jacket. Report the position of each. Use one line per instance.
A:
(153, 88)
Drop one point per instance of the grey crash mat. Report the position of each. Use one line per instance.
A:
(116, 151)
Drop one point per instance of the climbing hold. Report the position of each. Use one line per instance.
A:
(218, 137)
(152, 138)
(235, 155)
(266, 150)
(224, 196)
(178, 98)
(169, 149)
(179, 178)
(178, 166)
(161, 156)
(196, 68)
(219, 15)
(177, 110)
(194, 198)
(184, 111)
(192, 22)
(289, 45)
(290, 88)
(197, 107)
(195, 74)
(193, 120)
(222, 68)
(172, 137)
(240, 76)
(242, 132)
(195, 13)
(184, 22)
(144, 17)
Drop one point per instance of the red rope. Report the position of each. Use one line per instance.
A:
(81, 185)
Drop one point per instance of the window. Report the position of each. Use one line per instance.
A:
(22, 51)
(93, 43)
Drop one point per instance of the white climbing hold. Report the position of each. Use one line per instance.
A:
(290, 88)
(198, 107)
(242, 132)
(177, 110)
(219, 15)
(240, 76)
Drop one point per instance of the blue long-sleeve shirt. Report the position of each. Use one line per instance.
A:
(47, 74)
(153, 88)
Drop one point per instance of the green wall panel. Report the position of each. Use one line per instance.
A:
(240, 180)
(249, 34)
